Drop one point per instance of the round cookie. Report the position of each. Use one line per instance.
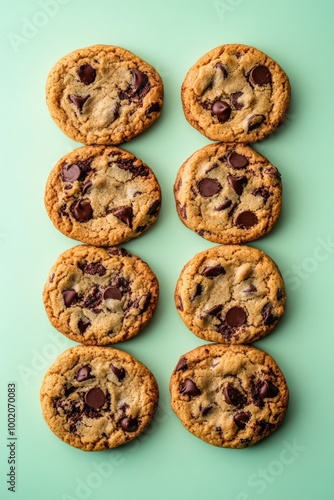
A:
(231, 294)
(100, 296)
(103, 95)
(228, 193)
(102, 195)
(95, 398)
(235, 93)
(229, 396)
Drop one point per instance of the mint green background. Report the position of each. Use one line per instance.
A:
(168, 462)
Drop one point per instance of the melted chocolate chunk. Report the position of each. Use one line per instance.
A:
(250, 289)
(237, 183)
(84, 373)
(94, 268)
(118, 251)
(233, 396)
(119, 372)
(129, 424)
(139, 80)
(263, 191)
(86, 74)
(267, 314)
(78, 101)
(83, 325)
(189, 388)
(112, 292)
(69, 296)
(214, 271)
(154, 208)
(260, 75)
(93, 299)
(214, 311)
(125, 214)
(223, 206)
(70, 173)
(95, 398)
(129, 166)
(222, 110)
(235, 160)
(82, 210)
(182, 365)
(235, 100)
(205, 410)
(198, 291)
(209, 187)
(153, 108)
(236, 317)
(246, 220)
(241, 419)
(220, 66)
(264, 426)
(254, 122)
(279, 294)
(86, 186)
(267, 389)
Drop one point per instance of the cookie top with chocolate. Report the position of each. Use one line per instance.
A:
(95, 398)
(235, 93)
(229, 396)
(100, 296)
(102, 195)
(228, 193)
(103, 94)
(232, 294)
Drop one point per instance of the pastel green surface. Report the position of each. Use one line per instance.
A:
(168, 462)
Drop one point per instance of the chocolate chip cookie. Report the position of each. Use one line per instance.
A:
(95, 398)
(102, 195)
(231, 294)
(235, 93)
(103, 95)
(100, 296)
(228, 193)
(229, 396)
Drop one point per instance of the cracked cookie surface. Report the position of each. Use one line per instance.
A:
(102, 195)
(95, 398)
(229, 396)
(231, 294)
(228, 193)
(100, 296)
(103, 94)
(235, 93)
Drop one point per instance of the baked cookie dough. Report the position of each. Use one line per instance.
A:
(235, 93)
(95, 398)
(231, 294)
(100, 296)
(229, 396)
(228, 193)
(103, 94)
(102, 195)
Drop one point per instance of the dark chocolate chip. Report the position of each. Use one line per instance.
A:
(86, 73)
(237, 183)
(205, 410)
(94, 268)
(265, 427)
(112, 292)
(69, 296)
(124, 214)
(83, 325)
(84, 373)
(214, 311)
(222, 110)
(198, 291)
(235, 160)
(78, 100)
(88, 184)
(279, 294)
(95, 398)
(129, 424)
(267, 314)
(209, 187)
(182, 365)
(118, 251)
(154, 208)
(139, 79)
(223, 206)
(268, 390)
(93, 299)
(189, 388)
(235, 100)
(263, 191)
(260, 75)
(153, 108)
(233, 396)
(236, 317)
(214, 271)
(249, 289)
(241, 419)
(179, 303)
(246, 220)
(70, 173)
(222, 68)
(255, 121)
(82, 210)
(119, 372)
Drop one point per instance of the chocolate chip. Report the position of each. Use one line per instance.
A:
(237, 183)
(222, 68)
(112, 292)
(82, 210)
(209, 187)
(250, 289)
(254, 122)
(267, 314)
(93, 299)
(205, 410)
(124, 214)
(82, 325)
(233, 396)
(70, 173)
(119, 372)
(189, 388)
(78, 100)
(84, 373)
(236, 317)
(94, 268)
(139, 79)
(69, 296)
(214, 271)
(241, 419)
(222, 110)
(154, 208)
(223, 206)
(260, 75)
(279, 294)
(118, 251)
(235, 100)
(246, 219)
(153, 108)
(86, 186)
(86, 73)
(235, 160)
(182, 365)
(129, 424)
(179, 303)
(215, 310)
(198, 291)
(265, 427)
(95, 398)
(263, 191)
(268, 390)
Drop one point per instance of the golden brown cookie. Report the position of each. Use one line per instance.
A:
(103, 94)
(102, 195)
(228, 193)
(231, 294)
(100, 296)
(235, 93)
(95, 398)
(229, 396)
